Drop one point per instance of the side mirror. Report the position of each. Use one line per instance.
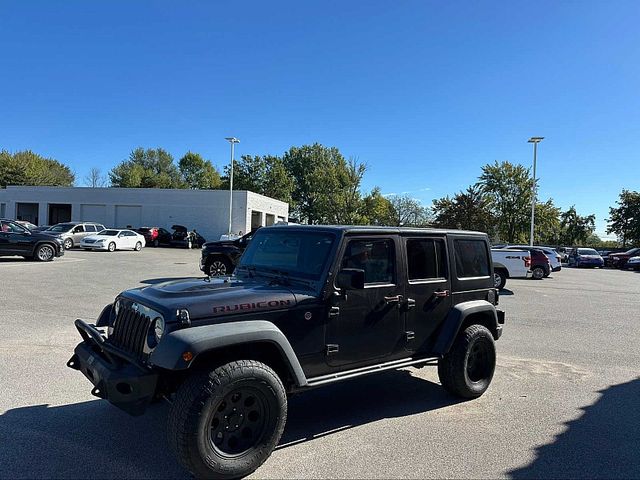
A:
(350, 279)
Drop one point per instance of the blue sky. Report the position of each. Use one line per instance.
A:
(424, 92)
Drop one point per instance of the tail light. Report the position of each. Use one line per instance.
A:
(527, 262)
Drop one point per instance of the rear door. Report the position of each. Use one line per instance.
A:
(428, 288)
(369, 326)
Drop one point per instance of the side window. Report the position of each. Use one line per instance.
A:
(91, 228)
(426, 259)
(375, 257)
(78, 229)
(471, 258)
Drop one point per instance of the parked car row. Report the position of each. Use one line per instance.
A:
(20, 238)
(521, 262)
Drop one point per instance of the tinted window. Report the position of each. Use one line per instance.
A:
(587, 251)
(10, 227)
(425, 259)
(375, 257)
(91, 228)
(299, 254)
(110, 233)
(62, 227)
(471, 258)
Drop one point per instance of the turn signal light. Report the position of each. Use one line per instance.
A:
(187, 356)
(527, 262)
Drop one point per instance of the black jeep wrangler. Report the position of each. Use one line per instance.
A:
(307, 306)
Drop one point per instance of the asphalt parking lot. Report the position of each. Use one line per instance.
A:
(565, 400)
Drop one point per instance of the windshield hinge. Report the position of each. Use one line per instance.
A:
(332, 348)
(410, 335)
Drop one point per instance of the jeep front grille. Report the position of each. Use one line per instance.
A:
(130, 331)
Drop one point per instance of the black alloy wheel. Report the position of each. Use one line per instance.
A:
(238, 422)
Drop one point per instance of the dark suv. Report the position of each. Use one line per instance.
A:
(306, 307)
(220, 258)
(18, 240)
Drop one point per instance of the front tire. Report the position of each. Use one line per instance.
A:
(219, 267)
(467, 369)
(45, 253)
(111, 247)
(225, 423)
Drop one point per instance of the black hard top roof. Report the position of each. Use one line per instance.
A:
(371, 229)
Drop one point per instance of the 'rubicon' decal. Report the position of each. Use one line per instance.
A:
(251, 306)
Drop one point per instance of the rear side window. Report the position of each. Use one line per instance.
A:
(472, 259)
(91, 228)
(426, 259)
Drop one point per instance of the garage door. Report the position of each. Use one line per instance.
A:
(93, 213)
(128, 215)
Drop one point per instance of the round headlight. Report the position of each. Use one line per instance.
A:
(158, 328)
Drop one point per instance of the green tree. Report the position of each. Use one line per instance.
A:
(326, 187)
(29, 168)
(151, 168)
(408, 212)
(377, 209)
(467, 210)
(265, 175)
(624, 220)
(198, 173)
(547, 228)
(575, 229)
(508, 189)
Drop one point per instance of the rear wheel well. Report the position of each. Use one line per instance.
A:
(502, 270)
(486, 319)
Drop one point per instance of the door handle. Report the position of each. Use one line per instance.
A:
(394, 299)
(441, 293)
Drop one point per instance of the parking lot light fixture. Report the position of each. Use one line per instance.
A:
(535, 141)
(232, 141)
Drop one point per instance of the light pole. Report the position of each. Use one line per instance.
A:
(232, 141)
(535, 141)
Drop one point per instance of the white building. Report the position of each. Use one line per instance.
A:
(205, 210)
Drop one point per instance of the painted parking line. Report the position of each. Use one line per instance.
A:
(24, 263)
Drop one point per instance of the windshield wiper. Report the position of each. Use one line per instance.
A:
(251, 269)
(286, 277)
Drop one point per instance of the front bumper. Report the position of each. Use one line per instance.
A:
(500, 323)
(93, 246)
(115, 376)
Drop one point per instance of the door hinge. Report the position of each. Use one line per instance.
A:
(332, 348)
(410, 303)
(410, 335)
(334, 312)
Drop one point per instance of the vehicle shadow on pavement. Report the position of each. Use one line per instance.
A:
(505, 292)
(602, 443)
(85, 440)
(346, 405)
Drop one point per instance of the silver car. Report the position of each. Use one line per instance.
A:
(72, 233)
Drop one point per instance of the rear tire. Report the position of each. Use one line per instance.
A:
(68, 244)
(225, 423)
(499, 279)
(156, 243)
(467, 369)
(138, 247)
(538, 272)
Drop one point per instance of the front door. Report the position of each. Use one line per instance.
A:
(428, 289)
(368, 325)
(14, 239)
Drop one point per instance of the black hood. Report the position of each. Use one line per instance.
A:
(213, 298)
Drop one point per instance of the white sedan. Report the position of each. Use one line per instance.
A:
(112, 240)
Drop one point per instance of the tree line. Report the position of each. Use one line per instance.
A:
(323, 187)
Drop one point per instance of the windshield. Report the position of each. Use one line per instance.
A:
(633, 251)
(294, 253)
(587, 251)
(110, 233)
(62, 227)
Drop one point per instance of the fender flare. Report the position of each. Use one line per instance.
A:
(202, 339)
(456, 318)
(500, 266)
